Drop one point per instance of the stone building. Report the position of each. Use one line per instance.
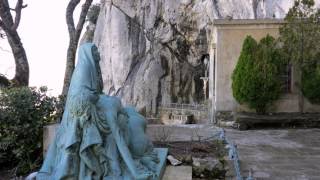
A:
(226, 45)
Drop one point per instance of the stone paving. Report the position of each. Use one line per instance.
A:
(178, 173)
(292, 154)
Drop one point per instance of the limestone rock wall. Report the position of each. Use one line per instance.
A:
(152, 50)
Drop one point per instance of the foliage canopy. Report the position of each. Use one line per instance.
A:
(300, 37)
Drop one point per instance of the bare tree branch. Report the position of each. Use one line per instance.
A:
(23, 6)
(4, 81)
(17, 18)
(9, 26)
(2, 33)
(5, 14)
(74, 34)
(82, 18)
(1, 24)
(69, 17)
(2, 29)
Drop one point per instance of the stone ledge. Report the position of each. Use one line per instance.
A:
(252, 120)
(248, 21)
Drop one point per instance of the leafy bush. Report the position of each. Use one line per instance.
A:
(255, 80)
(300, 37)
(23, 112)
(242, 74)
(311, 83)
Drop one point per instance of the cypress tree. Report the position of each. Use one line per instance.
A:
(255, 80)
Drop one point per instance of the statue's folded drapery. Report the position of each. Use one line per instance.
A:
(95, 139)
(79, 150)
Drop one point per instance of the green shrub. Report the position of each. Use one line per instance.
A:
(311, 83)
(300, 37)
(23, 112)
(242, 74)
(255, 80)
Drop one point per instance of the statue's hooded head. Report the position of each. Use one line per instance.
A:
(86, 81)
(87, 73)
(88, 51)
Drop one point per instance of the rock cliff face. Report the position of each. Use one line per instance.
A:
(153, 50)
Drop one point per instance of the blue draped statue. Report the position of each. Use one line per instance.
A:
(98, 139)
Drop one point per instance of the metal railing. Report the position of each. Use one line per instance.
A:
(234, 156)
(198, 107)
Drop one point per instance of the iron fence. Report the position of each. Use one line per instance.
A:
(198, 107)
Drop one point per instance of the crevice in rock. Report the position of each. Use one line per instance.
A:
(216, 6)
(175, 30)
(177, 55)
(165, 67)
(255, 7)
(132, 20)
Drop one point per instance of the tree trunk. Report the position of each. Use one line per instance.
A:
(70, 64)
(9, 26)
(74, 35)
(21, 77)
(4, 82)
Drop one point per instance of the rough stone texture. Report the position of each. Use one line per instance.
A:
(178, 172)
(152, 50)
(207, 167)
(198, 116)
(279, 154)
(88, 34)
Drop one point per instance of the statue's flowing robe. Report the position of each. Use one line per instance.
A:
(79, 150)
(85, 148)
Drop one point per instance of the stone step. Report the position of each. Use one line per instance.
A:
(252, 120)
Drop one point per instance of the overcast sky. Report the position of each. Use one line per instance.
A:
(43, 32)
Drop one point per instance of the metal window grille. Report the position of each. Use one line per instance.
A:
(285, 78)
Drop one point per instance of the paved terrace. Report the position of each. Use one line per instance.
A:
(279, 154)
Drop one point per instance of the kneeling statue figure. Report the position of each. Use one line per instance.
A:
(98, 138)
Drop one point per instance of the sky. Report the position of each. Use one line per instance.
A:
(43, 32)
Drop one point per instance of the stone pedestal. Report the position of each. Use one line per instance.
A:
(49, 132)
